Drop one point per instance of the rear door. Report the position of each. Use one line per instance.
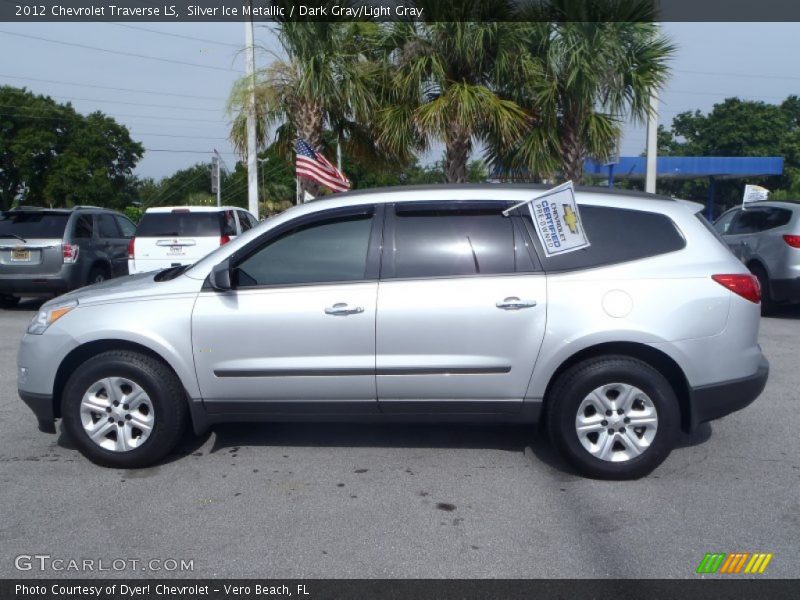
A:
(461, 310)
(297, 332)
(179, 237)
(30, 242)
(111, 243)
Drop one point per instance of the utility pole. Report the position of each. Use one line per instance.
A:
(652, 145)
(216, 181)
(339, 153)
(252, 158)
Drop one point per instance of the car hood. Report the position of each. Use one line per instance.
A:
(128, 288)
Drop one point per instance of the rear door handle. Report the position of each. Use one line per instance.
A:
(341, 308)
(514, 303)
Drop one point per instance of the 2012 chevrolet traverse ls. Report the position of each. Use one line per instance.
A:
(415, 304)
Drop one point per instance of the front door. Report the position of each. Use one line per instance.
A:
(297, 332)
(461, 310)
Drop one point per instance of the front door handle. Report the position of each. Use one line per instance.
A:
(341, 308)
(514, 303)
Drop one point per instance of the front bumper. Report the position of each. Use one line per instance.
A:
(42, 407)
(711, 402)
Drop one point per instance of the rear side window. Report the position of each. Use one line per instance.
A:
(107, 226)
(777, 217)
(127, 227)
(431, 241)
(83, 227)
(244, 221)
(189, 224)
(749, 221)
(617, 235)
(32, 224)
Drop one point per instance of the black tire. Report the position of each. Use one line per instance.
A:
(97, 274)
(768, 304)
(575, 384)
(7, 301)
(161, 385)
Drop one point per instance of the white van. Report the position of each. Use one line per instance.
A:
(171, 236)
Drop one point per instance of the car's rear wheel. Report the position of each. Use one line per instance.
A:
(97, 275)
(8, 301)
(613, 417)
(124, 409)
(767, 302)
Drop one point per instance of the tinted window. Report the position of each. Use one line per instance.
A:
(83, 227)
(749, 221)
(723, 224)
(618, 235)
(439, 242)
(107, 226)
(244, 221)
(777, 217)
(33, 224)
(127, 227)
(334, 250)
(228, 223)
(180, 223)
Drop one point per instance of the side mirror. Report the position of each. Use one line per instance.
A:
(220, 276)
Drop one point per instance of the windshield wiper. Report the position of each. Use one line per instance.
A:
(14, 235)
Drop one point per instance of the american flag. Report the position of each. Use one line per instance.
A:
(313, 165)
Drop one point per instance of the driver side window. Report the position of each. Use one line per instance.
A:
(321, 252)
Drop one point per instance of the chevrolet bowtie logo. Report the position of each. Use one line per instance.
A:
(570, 218)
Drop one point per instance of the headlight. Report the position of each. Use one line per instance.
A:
(47, 316)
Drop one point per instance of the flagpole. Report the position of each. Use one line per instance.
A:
(252, 151)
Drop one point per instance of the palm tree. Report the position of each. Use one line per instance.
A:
(442, 78)
(601, 63)
(322, 82)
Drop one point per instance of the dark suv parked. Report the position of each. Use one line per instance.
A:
(51, 251)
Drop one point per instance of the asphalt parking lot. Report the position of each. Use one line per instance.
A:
(330, 500)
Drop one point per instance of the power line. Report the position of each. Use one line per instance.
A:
(119, 52)
(215, 110)
(754, 75)
(29, 116)
(186, 151)
(118, 89)
(178, 35)
(171, 135)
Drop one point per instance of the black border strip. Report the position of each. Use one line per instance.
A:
(337, 372)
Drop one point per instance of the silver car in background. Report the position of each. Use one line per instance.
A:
(415, 304)
(766, 237)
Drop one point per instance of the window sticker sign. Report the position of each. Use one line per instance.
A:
(557, 221)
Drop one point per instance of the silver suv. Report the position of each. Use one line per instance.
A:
(766, 237)
(46, 251)
(413, 304)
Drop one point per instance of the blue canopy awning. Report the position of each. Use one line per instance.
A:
(691, 167)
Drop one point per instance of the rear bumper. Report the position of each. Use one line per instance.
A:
(42, 407)
(785, 290)
(33, 284)
(711, 402)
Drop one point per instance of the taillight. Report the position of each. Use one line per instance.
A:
(224, 240)
(792, 240)
(746, 285)
(69, 252)
(131, 247)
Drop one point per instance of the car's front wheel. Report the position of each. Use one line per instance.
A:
(613, 417)
(124, 409)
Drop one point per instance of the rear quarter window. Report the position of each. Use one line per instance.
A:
(33, 224)
(616, 235)
(186, 224)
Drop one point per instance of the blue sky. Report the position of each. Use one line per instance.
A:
(178, 110)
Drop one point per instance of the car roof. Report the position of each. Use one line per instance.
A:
(500, 192)
(773, 204)
(60, 210)
(169, 209)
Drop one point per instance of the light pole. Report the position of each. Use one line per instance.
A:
(261, 174)
(252, 163)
